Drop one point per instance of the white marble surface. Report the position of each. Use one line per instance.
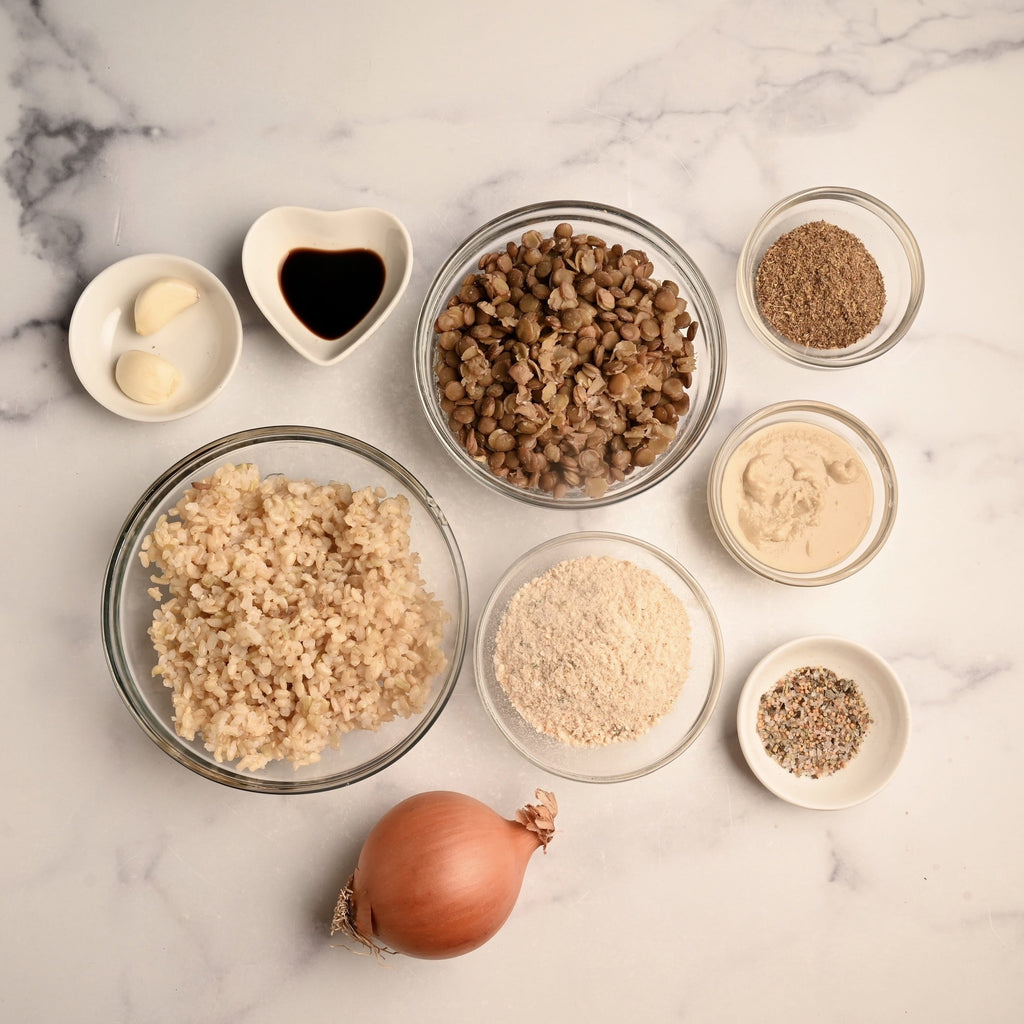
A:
(135, 891)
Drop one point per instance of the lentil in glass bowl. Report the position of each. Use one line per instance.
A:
(884, 235)
(802, 493)
(284, 609)
(575, 688)
(539, 375)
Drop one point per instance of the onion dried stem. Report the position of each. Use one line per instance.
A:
(540, 820)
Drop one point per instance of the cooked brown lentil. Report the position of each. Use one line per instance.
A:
(562, 364)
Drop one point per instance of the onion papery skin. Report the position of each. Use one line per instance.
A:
(438, 876)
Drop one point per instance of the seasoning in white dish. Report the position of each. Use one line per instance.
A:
(812, 722)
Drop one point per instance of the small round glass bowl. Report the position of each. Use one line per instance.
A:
(669, 737)
(884, 235)
(613, 226)
(301, 453)
(863, 441)
(884, 742)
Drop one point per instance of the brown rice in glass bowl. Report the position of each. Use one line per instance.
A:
(279, 591)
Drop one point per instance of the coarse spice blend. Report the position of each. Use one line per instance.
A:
(812, 722)
(594, 651)
(818, 286)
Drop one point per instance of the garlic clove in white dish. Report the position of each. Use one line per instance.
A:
(325, 237)
(204, 344)
(161, 301)
(146, 377)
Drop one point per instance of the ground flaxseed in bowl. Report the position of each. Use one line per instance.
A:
(830, 277)
(569, 355)
(818, 286)
(599, 657)
(306, 632)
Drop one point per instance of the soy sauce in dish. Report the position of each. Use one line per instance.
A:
(330, 291)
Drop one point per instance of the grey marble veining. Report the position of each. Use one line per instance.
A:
(134, 891)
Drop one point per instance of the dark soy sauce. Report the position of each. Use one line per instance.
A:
(330, 291)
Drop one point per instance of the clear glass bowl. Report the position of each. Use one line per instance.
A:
(613, 226)
(885, 236)
(668, 738)
(300, 453)
(863, 441)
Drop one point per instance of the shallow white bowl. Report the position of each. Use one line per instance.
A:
(277, 232)
(883, 745)
(204, 341)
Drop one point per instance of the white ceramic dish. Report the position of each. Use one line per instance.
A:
(883, 745)
(204, 341)
(277, 232)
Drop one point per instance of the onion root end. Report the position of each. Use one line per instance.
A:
(343, 922)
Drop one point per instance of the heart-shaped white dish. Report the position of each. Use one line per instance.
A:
(284, 229)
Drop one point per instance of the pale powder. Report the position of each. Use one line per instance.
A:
(797, 497)
(593, 651)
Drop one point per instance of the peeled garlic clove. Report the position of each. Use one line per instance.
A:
(145, 377)
(161, 301)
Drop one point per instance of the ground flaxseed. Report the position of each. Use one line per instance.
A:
(819, 286)
(812, 722)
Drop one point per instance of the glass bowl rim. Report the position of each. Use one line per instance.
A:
(119, 561)
(889, 498)
(711, 698)
(473, 245)
(830, 359)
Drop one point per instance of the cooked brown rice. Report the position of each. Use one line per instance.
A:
(291, 613)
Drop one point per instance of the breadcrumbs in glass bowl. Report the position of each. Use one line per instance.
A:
(580, 665)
